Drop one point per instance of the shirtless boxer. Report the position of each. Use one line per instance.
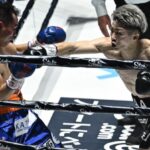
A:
(128, 23)
(21, 125)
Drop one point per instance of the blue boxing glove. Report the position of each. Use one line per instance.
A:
(51, 35)
(19, 71)
(142, 84)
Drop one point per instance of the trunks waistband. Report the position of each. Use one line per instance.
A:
(13, 114)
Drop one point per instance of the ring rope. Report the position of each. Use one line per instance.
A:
(16, 145)
(49, 14)
(78, 62)
(41, 105)
(29, 147)
(24, 17)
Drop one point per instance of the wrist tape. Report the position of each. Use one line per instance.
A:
(43, 50)
(31, 43)
(50, 49)
(14, 83)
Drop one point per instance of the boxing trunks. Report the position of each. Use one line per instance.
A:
(16, 97)
(25, 127)
(145, 138)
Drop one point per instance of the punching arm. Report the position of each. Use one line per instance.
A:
(63, 48)
(80, 47)
(51, 43)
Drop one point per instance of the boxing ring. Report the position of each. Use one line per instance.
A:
(64, 62)
(81, 108)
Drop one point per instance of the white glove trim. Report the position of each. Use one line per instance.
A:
(14, 83)
(32, 43)
(51, 49)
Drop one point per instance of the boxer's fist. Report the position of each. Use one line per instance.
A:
(42, 50)
(142, 84)
(51, 35)
(21, 70)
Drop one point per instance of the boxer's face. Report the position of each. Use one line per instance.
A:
(7, 31)
(122, 38)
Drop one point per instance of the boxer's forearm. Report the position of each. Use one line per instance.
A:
(67, 48)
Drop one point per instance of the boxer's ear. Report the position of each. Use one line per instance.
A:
(136, 35)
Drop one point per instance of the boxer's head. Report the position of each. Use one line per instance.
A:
(128, 23)
(8, 22)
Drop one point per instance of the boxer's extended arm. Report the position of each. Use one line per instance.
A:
(67, 48)
(99, 45)
(64, 48)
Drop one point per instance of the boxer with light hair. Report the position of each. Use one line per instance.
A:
(128, 23)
